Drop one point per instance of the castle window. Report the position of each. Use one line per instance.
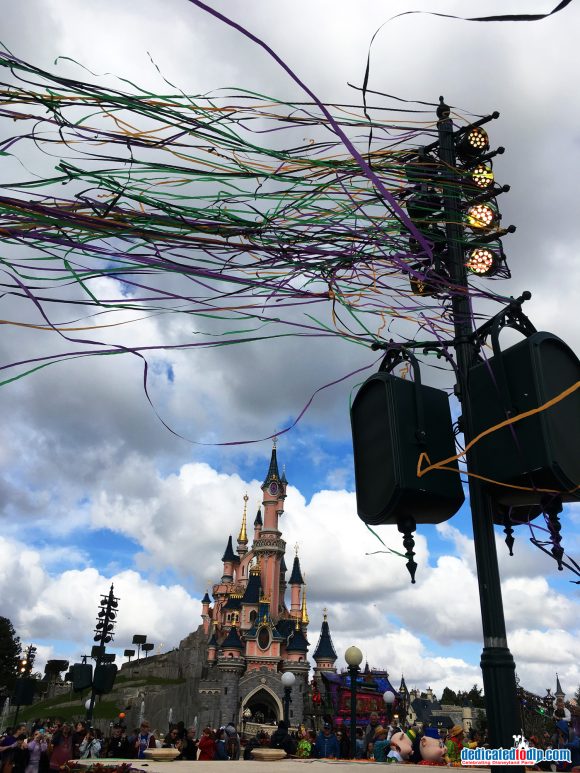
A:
(253, 616)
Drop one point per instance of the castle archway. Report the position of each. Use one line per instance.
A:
(265, 705)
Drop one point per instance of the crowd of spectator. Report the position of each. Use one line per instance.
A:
(47, 746)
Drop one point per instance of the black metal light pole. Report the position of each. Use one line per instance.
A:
(288, 680)
(497, 663)
(103, 635)
(353, 657)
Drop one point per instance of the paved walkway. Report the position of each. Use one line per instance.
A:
(280, 766)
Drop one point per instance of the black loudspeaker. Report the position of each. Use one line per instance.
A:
(394, 420)
(104, 680)
(82, 676)
(541, 452)
(24, 692)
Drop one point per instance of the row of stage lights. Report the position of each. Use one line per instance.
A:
(472, 182)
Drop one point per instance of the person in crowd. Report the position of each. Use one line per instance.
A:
(454, 744)
(304, 745)
(206, 745)
(171, 740)
(370, 734)
(188, 746)
(37, 746)
(566, 741)
(119, 746)
(145, 740)
(62, 747)
(371, 750)
(232, 742)
(260, 739)
(221, 752)
(326, 746)
(343, 739)
(281, 739)
(381, 746)
(78, 736)
(360, 743)
(20, 754)
(90, 745)
(181, 731)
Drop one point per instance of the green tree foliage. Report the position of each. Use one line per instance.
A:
(9, 654)
(449, 697)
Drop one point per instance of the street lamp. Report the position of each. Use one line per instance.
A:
(389, 699)
(288, 680)
(353, 657)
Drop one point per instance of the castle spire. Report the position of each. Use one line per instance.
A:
(296, 576)
(243, 536)
(325, 655)
(304, 612)
(559, 691)
(272, 475)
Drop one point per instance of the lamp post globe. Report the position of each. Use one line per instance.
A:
(389, 699)
(288, 679)
(353, 657)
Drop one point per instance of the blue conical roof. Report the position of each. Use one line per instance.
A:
(298, 642)
(325, 648)
(272, 473)
(229, 555)
(232, 640)
(296, 576)
(258, 519)
(252, 592)
(206, 599)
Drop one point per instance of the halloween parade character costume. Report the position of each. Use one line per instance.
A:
(454, 744)
(432, 748)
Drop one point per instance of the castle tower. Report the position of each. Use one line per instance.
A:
(269, 545)
(205, 614)
(324, 654)
(230, 560)
(258, 525)
(231, 666)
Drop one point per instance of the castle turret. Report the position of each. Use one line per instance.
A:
(296, 581)
(325, 654)
(559, 691)
(229, 558)
(258, 523)
(212, 647)
(205, 616)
